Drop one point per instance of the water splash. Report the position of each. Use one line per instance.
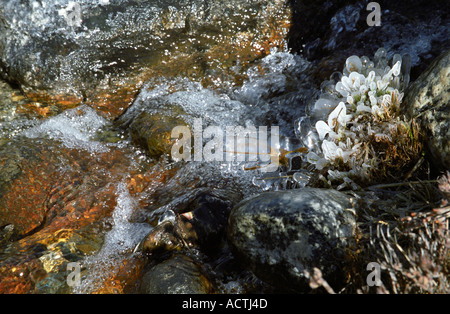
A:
(272, 95)
(118, 244)
(74, 128)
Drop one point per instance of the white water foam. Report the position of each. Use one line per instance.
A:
(118, 243)
(74, 128)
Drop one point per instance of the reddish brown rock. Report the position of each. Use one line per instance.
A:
(124, 278)
(37, 193)
(19, 278)
(54, 196)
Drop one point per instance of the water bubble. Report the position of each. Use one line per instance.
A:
(74, 128)
(365, 61)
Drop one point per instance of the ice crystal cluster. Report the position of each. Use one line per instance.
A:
(355, 125)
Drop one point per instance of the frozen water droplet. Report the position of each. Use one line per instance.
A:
(301, 178)
(341, 89)
(353, 64)
(168, 215)
(336, 77)
(303, 127)
(397, 57)
(327, 87)
(380, 58)
(405, 70)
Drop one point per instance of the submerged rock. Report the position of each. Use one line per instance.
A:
(169, 235)
(428, 101)
(281, 234)
(177, 275)
(210, 212)
(54, 201)
(153, 133)
(42, 182)
(200, 220)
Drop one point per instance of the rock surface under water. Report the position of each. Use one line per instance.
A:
(177, 275)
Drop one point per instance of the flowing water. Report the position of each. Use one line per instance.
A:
(118, 243)
(275, 92)
(269, 97)
(263, 100)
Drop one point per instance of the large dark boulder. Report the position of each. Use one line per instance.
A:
(279, 235)
(428, 101)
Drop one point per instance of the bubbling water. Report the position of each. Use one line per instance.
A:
(75, 128)
(118, 244)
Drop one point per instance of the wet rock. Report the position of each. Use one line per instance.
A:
(53, 284)
(428, 101)
(19, 276)
(153, 133)
(55, 198)
(100, 52)
(208, 214)
(177, 275)
(198, 228)
(34, 166)
(27, 212)
(14, 107)
(17, 111)
(169, 235)
(199, 220)
(116, 278)
(6, 233)
(280, 234)
(327, 32)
